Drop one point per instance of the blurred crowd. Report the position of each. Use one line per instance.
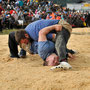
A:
(19, 13)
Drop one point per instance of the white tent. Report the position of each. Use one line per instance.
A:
(79, 6)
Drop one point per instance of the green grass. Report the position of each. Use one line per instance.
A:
(7, 31)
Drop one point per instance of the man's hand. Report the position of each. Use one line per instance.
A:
(53, 37)
(58, 27)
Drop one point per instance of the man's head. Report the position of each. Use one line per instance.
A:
(23, 39)
(51, 60)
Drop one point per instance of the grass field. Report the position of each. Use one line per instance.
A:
(7, 31)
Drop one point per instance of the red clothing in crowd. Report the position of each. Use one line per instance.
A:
(52, 16)
(82, 19)
(58, 18)
(12, 11)
(1, 9)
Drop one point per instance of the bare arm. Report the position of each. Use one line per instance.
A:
(46, 30)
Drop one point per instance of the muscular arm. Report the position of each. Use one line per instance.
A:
(46, 30)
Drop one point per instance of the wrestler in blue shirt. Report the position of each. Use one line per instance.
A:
(33, 28)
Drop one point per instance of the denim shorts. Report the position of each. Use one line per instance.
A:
(45, 48)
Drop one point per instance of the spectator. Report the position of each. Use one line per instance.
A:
(1, 17)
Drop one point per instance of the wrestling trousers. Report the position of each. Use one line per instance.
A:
(13, 46)
(62, 38)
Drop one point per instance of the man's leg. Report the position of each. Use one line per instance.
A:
(0, 26)
(60, 44)
(13, 45)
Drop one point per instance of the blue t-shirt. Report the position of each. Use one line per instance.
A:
(34, 47)
(45, 48)
(33, 28)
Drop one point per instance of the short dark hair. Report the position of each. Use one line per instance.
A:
(21, 35)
